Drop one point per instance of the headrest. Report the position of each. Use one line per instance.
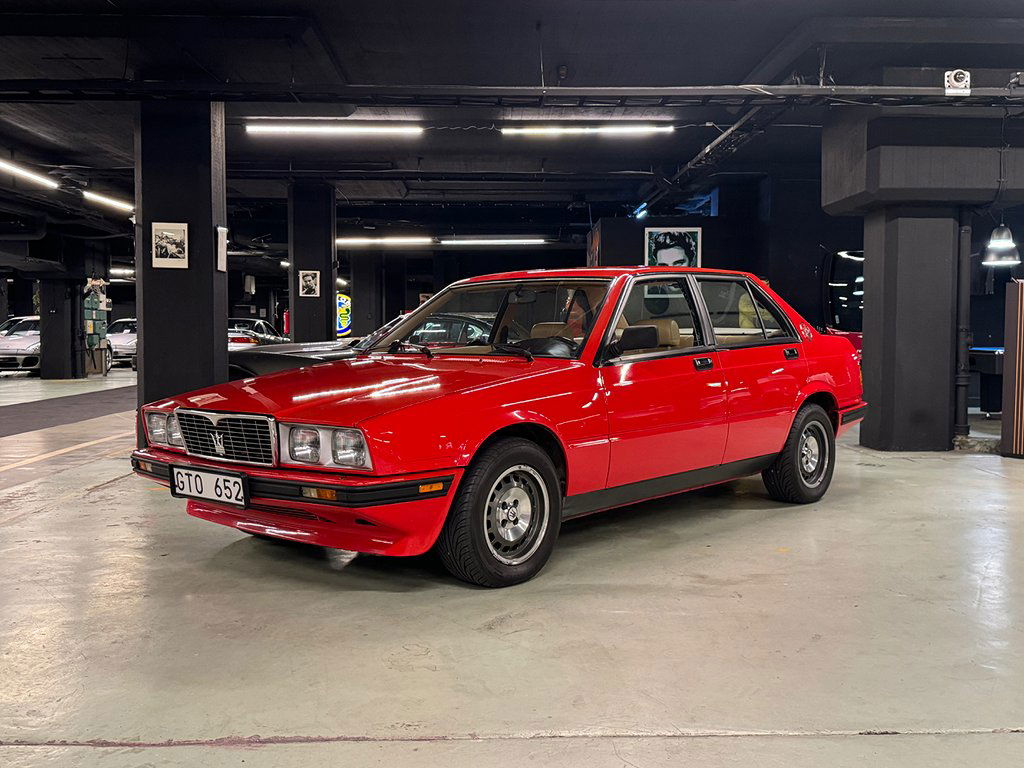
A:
(668, 330)
(547, 330)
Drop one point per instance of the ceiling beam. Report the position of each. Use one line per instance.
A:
(503, 96)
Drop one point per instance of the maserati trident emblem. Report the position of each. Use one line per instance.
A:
(218, 443)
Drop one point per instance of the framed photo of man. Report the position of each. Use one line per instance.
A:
(170, 246)
(672, 246)
(309, 283)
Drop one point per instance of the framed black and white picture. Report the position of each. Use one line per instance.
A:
(170, 246)
(309, 283)
(672, 246)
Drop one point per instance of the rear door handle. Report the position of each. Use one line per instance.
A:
(792, 353)
(703, 363)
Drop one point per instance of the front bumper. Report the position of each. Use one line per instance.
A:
(18, 361)
(381, 516)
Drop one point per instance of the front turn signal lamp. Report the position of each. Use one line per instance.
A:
(334, 447)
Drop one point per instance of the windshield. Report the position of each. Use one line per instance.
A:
(5, 326)
(243, 324)
(24, 327)
(546, 318)
(123, 326)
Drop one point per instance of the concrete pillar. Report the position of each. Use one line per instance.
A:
(910, 272)
(20, 296)
(61, 319)
(395, 294)
(366, 290)
(179, 179)
(311, 233)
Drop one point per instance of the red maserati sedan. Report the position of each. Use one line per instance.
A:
(593, 388)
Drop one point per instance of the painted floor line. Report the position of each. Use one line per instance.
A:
(61, 451)
(266, 741)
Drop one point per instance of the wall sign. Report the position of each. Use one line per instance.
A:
(672, 246)
(344, 315)
(309, 283)
(170, 246)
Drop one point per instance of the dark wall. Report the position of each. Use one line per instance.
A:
(773, 227)
(800, 237)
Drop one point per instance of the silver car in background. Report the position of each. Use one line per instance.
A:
(123, 337)
(19, 344)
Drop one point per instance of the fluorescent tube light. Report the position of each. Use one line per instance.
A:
(28, 175)
(494, 241)
(122, 272)
(838, 285)
(286, 264)
(332, 129)
(576, 130)
(385, 240)
(121, 205)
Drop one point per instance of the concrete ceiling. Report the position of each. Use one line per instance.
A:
(462, 158)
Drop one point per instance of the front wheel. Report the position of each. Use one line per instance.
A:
(802, 472)
(504, 522)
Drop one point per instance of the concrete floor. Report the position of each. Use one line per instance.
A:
(18, 388)
(881, 626)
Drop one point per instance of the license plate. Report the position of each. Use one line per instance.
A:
(212, 486)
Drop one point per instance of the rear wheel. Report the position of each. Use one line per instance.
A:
(504, 522)
(802, 472)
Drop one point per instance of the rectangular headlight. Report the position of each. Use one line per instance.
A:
(156, 427)
(304, 444)
(174, 432)
(348, 448)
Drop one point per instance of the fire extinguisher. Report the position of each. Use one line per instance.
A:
(287, 322)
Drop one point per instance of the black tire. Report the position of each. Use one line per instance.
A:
(794, 476)
(473, 546)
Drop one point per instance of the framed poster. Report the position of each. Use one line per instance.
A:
(170, 246)
(222, 250)
(672, 246)
(309, 283)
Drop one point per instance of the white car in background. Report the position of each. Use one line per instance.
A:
(19, 345)
(123, 337)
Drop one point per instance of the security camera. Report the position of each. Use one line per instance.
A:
(958, 82)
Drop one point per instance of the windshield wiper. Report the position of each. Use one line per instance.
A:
(512, 349)
(398, 344)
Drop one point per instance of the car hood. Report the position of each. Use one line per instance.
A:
(19, 342)
(348, 392)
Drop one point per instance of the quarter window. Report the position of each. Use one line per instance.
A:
(738, 315)
(668, 306)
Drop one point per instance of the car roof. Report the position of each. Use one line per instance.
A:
(607, 273)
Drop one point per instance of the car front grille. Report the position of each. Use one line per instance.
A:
(238, 438)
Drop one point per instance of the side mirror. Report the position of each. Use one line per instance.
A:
(634, 337)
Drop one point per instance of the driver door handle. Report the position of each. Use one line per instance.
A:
(703, 363)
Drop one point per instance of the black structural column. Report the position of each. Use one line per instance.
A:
(908, 176)
(367, 291)
(910, 290)
(311, 250)
(61, 319)
(179, 179)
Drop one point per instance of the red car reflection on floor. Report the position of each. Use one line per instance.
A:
(593, 388)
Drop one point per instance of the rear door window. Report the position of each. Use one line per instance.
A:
(740, 316)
